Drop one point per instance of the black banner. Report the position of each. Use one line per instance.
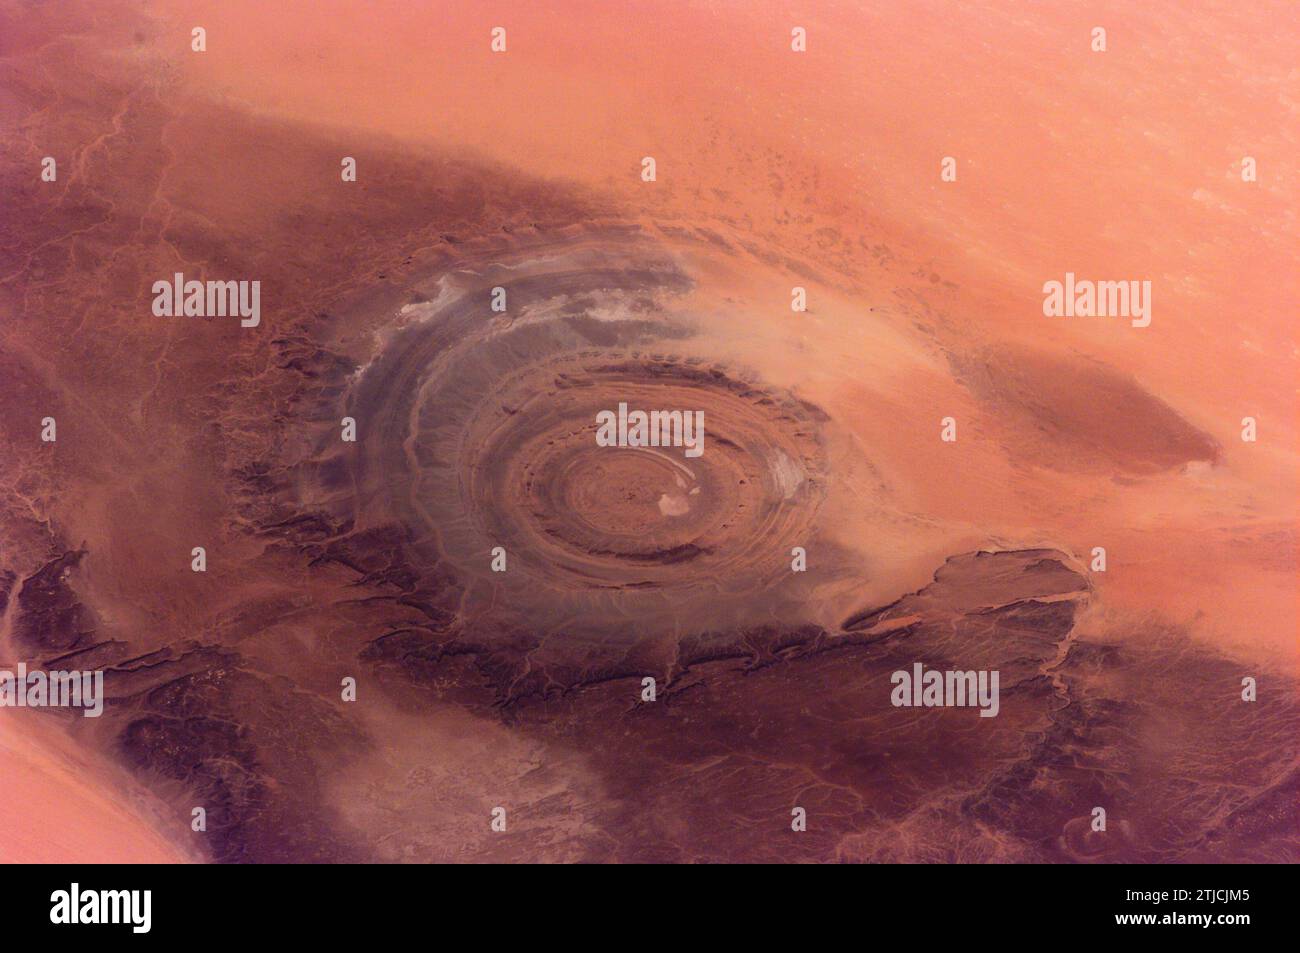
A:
(331, 904)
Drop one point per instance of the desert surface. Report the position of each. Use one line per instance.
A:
(437, 619)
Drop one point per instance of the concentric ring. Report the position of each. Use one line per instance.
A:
(503, 485)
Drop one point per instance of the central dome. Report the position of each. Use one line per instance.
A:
(531, 477)
(485, 430)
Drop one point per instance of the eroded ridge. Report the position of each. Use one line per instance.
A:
(478, 435)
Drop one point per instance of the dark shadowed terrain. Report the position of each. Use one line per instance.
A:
(373, 560)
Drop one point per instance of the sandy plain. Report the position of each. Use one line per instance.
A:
(774, 169)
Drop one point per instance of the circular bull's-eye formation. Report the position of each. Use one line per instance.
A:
(534, 479)
(499, 423)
